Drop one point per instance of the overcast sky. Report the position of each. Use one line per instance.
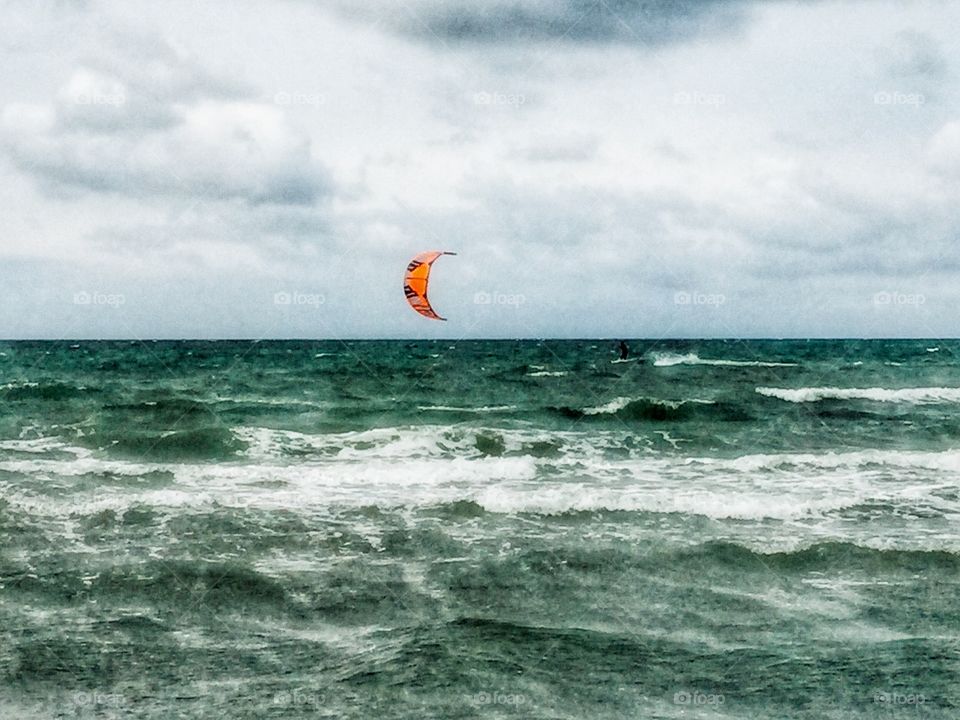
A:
(655, 168)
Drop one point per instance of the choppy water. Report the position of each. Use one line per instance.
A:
(480, 530)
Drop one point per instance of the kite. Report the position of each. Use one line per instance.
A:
(417, 279)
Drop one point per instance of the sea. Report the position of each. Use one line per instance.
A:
(764, 529)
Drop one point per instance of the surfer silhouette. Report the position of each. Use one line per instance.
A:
(624, 350)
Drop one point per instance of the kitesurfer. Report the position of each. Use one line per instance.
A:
(624, 350)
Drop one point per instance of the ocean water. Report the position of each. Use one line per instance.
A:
(480, 529)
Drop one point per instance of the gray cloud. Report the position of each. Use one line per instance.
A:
(573, 148)
(914, 55)
(647, 22)
(145, 119)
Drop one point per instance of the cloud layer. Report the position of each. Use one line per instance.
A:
(647, 22)
(148, 121)
(602, 164)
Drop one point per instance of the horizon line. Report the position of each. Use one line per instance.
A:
(608, 338)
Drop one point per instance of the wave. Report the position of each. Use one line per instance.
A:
(621, 403)
(657, 410)
(254, 401)
(507, 472)
(35, 446)
(203, 443)
(718, 554)
(162, 409)
(669, 359)
(175, 582)
(919, 395)
(43, 391)
(426, 441)
(719, 504)
(947, 461)
(591, 450)
(453, 408)
(822, 556)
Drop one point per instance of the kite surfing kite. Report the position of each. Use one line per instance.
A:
(417, 279)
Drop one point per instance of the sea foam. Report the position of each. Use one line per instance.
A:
(670, 359)
(917, 395)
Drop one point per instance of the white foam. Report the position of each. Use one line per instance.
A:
(669, 359)
(619, 403)
(547, 373)
(610, 408)
(947, 460)
(300, 488)
(268, 446)
(420, 467)
(717, 504)
(453, 408)
(674, 442)
(784, 487)
(398, 443)
(259, 400)
(919, 395)
(42, 445)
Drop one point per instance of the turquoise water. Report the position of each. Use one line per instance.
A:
(479, 529)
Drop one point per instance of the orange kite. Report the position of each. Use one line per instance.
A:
(416, 280)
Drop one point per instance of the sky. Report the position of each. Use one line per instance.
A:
(618, 168)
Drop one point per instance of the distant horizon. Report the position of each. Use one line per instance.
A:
(612, 338)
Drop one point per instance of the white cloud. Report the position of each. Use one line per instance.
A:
(943, 151)
(156, 123)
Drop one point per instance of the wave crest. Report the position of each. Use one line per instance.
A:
(918, 396)
(669, 359)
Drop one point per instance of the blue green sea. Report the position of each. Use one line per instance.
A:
(480, 529)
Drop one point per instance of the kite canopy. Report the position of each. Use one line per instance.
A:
(417, 279)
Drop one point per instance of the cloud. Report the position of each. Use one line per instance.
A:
(149, 120)
(572, 148)
(645, 22)
(562, 159)
(943, 150)
(914, 55)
